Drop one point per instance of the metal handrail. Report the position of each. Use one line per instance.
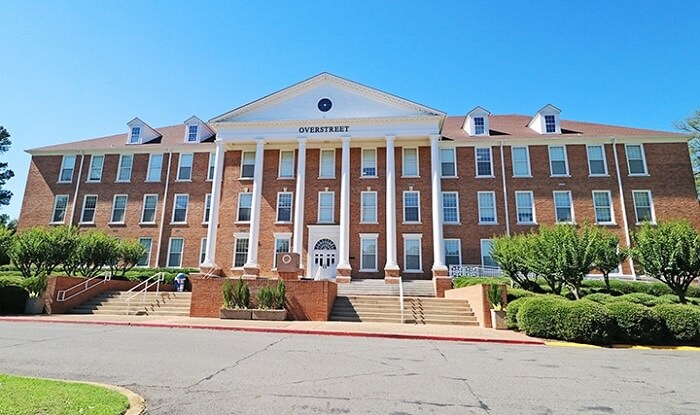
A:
(401, 298)
(147, 283)
(211, 271)
(318, 272)
(61, 295)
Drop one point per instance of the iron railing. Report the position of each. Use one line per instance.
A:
(61, 296)
(148, 283)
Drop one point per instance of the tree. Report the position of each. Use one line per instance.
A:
(95, 250)
(5, 173)
(691, 125)
(510, 253)
(129, 253)
(610, 256)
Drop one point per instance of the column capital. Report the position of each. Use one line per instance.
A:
(259, 142)
(345, 139)
(301, 141)
(434, 138)
(390, 138)
(220, 145)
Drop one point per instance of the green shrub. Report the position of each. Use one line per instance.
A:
(13, 279)
(694, 290)
(512, 312)
(637, 298)
(495, 296)
(541, 316)
(236, 297)
(600, 298)
(517, 293)
(682, 321)
(586, 322)
(460, 282)
(265, 297)
(637, 323)
(279, 295)
(667, 299)
(12, 299)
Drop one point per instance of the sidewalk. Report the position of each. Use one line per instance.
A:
(328, 328)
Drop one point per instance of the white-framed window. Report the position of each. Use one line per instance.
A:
(245, 203)
(643, 206)
(484, 162)
(96, 164)
(125, 163)
(450, 207)
(486, 258)
(448, 165)
(326, 168)
(60, 204)
(135, 136)
(119, 209)
(67, 167)
(636, 160)
(192, 133)
(326, 207)
(184, 169)
(150, 204)
(550, 124)
(368, 206)
(558, 162)
(175, 249)
(202, 250)
(410, 162)
(369, 162)
(155, 166)
(211, 166)
(284, 206)
(487, 207)
(525, 207)
(368, 252)
(563, 207)
(411, 207)
(412, 256)
(145, 260)
(602, 204)
(286, 164)
(247, 164)
(597, 165)
(240, 251)
(180, 204)
(282, 244)
(521, 161)
(453, 252)
(479, 126)
(89, 207)
(207, 208)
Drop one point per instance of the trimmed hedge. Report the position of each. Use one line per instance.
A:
(12, 299)
(600, 298)
(517, 293)
(461, 282)
(637, 323)
(541, 316)
(682, 321)
(512, 312)
(586, 321)
(644, 299)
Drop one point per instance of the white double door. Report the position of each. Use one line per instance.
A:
(323, 251)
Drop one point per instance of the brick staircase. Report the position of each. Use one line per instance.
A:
(155, 304)
(411, 288)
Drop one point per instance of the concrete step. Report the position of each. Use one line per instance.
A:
(162, 303)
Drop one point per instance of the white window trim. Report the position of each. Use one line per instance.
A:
(557, 127)
(442, 205)
(376, 206)
(114, 205)
(527, 156)
(53, 211)
(403, 162)
(644, 160)
(485, 125)
(612, 207)
(362, 164)
(566, 160)
(481, 250)
(280, 236)
(148, 254)
(476, 163)
(238, 208)
(495, 208)
(202, 249)
(207, 196)
(237, 236)
(243, 153)
(182, 253)
(419, 238)
(532, 205)
(279, 169)
(318, 207)
(150, 164)
(571, 204)
(419, 221)
(60, 170)
(82, 211)
(212, 162)
(179, 166)
(187, 134)
(459, 248)
(143, 209)
(119, 168)
(187, 208)
(651, 203)
(129, 140)
(454, 153)
(370, 237)
(92, 160)
(605, 161)
(320, 163)
(291, 207)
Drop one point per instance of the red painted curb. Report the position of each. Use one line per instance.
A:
(285, 331)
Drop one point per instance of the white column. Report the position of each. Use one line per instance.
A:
(252, 260)
(391, 263)
(298, 238)
(213, 225)
(344, 248)
(435, 176)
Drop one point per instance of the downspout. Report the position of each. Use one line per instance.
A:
(77, 188)
(622, 204)
(165, 204)
(505, 191)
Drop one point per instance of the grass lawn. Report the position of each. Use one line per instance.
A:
(27, 396)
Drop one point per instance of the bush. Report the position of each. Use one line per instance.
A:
(587, 322)
(512, 312)
(666, 299)
(495, 296)
(682, 321)
(600, 298)
(637, 298)
(12, 299)
(461, 282)
(279, 294)
(637, 323)
(540, 316)
(517, 293)
(265, 297)
(236, 297)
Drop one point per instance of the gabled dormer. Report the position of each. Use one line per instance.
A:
(546, 121)
(197, 130)
(477, 122)
(140, 132)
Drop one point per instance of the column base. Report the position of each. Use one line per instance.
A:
(250, 273)
(442, 280)
(210, 270)
(391, 280)
(343, 275)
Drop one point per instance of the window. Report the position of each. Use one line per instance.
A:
(447, 162)
(368, 206)
(486, 258)
(184, 170)
(643, 206)
(150, 202)
(562, 207)
(453, 252)
(325, 207)
(67, 167)
(125, 163)
(240, 255)
(450, 207)
(59, 209)
(286, 164)
(368, 249)
(180, 208)
(135, 136)
(202, 250)
(550, 124)
(369, 162)
(96, 163)
(284, 207)
(192, 133)
(245, 202)
(557, 161)
(145, 260)
(521, 161)
(207, 208)
(602, 203)
(175, 252)
(410, 162)
(484, 167)
(596, 161)
(248, 165)
(210, 169)
(525, 207)
(281, 245)
(412, 253)
(411, 207)
(327, 164)
(89, 206)
(636, 162)
(118, 209)
(155, 166)
(487, 207)
(479, 126)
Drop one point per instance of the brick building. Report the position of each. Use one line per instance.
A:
(360, 183)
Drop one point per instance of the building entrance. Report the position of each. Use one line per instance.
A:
(325, 260)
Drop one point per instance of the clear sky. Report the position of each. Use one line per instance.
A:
(71, 70)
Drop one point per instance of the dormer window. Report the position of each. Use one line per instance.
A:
(477, 122)
(135, 137)
(192, 132)
(478, 125)
(550, 123)
(546, 120)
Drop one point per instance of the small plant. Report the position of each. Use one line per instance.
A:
(237, 297)
(279, 294)
(265, 298)
(495, 296)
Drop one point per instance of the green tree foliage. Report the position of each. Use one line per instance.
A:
(544, 256)
(6, 236)
(5, 173)
(30, 252)
(510, 253)
(95, 251)
(691, 125)
(129, 253)
(609, 255)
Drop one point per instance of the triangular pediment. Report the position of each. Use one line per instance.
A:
(305, 101)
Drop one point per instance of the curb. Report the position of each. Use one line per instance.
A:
(557, 343)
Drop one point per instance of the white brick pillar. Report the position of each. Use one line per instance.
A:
(391, 269)
(298, 238)
(251, 267)
(213, 225)
(439, 269)
(344, 269)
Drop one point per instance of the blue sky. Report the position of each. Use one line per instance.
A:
(73, 70)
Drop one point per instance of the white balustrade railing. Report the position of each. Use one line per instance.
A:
(155, 280)
(63, 295)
